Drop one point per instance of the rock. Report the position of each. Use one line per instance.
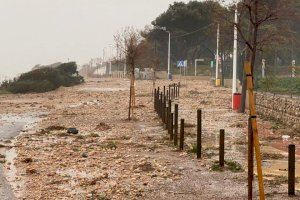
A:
(31, 171)
(27, 160)
(84, 155)
(285, 137)
(72, 131)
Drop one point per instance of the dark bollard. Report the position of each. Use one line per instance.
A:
(164, 90)
(169, 113)
(164, 110)
(199, 132)
(168, 93)
(291, 176)
(174, 88)
(161, 105)
(178, 89)
(155, 99)
(221, 150)
(181, 141)
(176, 125)
(171, 130)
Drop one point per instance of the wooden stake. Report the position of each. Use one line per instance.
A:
(252, 109)
(250, 160)
(291, 176)
(176, 125)
(181, 142)
(199, 132)
(221, 147)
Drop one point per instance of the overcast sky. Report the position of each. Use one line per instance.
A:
(46, 31)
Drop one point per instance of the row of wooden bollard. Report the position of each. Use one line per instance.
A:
(163, 107)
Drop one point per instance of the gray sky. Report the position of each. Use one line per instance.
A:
(47, 31)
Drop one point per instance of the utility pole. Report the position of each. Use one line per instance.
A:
(234, 70)
(217, 54)
(169, 56)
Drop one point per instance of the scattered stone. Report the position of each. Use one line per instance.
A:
(31, 171)
(72, 131)
(27, 160)
(84, 155)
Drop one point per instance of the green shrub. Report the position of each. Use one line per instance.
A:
(44, 79)
(279, 85)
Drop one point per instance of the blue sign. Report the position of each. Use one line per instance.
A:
(180, 63)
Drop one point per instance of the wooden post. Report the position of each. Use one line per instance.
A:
(164, 109)
(161, 105)
(171, 130)
(155, 99)
(169, 113)
(252, 110)
(181, 141)
(176, 125)
(170, 92)
(199, 132)
(291, 176)
(221, 148)
(174, 89)
(178, 89)
(250, 160)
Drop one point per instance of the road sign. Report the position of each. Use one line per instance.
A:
(180, 63)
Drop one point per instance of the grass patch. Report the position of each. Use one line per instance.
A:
(279, 85)
(111, 145)
(272, 156)
(232, 166)
(192, 148)
(93, 135)
(55, 128)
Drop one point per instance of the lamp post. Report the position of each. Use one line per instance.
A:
(234, 70)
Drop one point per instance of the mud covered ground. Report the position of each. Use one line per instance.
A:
(113, 158)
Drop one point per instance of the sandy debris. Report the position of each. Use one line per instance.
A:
(113, 158)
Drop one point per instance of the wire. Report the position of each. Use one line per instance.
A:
(200, 29)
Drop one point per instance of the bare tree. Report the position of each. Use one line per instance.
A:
(261, 16)
(128, 41)
(148, 58)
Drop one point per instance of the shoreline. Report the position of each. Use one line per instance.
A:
(11, 126)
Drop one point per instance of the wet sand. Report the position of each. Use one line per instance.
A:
(10, 127)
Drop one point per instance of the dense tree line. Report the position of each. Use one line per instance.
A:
(193, 28)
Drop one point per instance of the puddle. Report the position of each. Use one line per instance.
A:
(12, 125)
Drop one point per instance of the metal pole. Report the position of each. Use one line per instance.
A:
(234, 70)
(217, 54)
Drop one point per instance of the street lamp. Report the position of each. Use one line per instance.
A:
(169, 50)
